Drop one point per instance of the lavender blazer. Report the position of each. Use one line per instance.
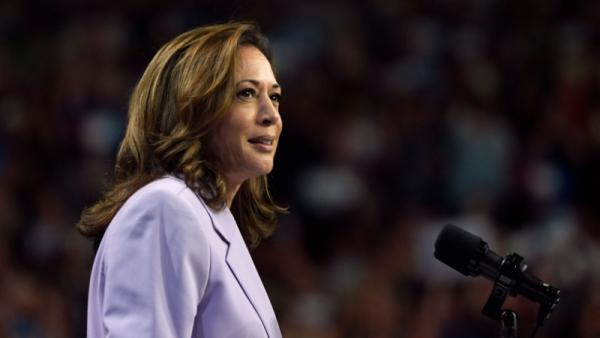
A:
(169, 266)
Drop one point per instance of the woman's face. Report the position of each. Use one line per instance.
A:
(246, 139)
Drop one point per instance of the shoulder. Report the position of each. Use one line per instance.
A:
(158, 245)
(161, 189)
(165, 193)
(165, 204)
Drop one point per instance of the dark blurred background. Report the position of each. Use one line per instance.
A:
(399, 117)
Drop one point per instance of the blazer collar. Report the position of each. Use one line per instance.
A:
(242, 266)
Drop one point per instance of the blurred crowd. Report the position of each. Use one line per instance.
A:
(399, 117)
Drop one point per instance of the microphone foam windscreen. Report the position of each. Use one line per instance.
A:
(456, 248)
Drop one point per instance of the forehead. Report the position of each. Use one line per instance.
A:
(253, 63)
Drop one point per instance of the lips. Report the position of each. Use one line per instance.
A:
(264, 140)
(264, 144)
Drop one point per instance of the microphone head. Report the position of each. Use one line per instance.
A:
(459, 249)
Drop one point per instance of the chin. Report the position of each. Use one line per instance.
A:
(263, 169)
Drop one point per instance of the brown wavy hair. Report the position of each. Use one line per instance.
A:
(185, 90)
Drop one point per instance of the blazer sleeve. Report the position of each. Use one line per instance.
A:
(156, 268)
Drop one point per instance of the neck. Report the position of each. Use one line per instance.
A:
(232, 189)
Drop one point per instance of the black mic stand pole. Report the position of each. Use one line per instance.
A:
(504, 285)
(493, 309)
(508, 324)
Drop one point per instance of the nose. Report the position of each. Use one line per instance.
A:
(268, 113)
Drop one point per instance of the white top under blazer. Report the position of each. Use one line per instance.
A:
(169, 266)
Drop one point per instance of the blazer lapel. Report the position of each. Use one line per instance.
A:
(241, 264)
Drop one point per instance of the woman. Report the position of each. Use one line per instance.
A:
(203, 128)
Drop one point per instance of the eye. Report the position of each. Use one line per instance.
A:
(247, 93)
(276, 97)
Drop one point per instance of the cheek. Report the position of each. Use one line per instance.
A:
(238, 122)
(222, 143)
(234, 141)
(230, 130)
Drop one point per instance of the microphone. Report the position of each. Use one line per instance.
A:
(471, 256)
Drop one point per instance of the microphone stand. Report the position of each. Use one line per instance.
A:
(504, 286)
(508, 324)
(492, 309)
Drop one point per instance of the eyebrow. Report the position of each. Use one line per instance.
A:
(257, 83)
